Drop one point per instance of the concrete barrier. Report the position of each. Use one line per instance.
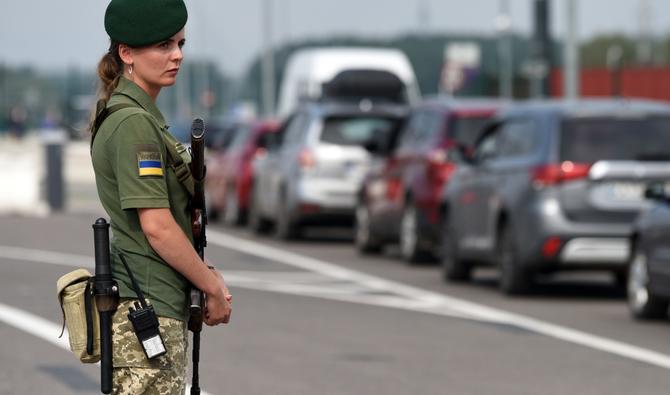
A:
(21, 169)
(23, 186)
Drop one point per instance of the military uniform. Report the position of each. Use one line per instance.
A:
(133, 158)
(132, 168)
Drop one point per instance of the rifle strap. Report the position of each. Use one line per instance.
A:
(101, 113)
(181, 169)
(176, 162)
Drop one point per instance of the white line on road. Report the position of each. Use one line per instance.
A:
(416, 299)
(438, 302)
(52, 257)
(41, 328)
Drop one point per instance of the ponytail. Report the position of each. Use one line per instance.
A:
(110, 70)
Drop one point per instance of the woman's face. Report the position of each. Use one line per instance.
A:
(156, 66)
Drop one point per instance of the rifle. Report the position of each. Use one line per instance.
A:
(106, 300)
(198, 224)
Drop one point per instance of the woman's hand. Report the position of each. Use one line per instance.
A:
(219, 311)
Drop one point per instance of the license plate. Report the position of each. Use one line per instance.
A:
(626, 191)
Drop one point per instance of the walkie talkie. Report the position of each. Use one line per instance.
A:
(145, 322)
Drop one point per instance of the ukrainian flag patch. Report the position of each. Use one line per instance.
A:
(149, 164)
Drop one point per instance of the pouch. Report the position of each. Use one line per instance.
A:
(80, 314)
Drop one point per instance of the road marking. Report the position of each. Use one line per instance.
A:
(40, 328)
(51, 257)
(411, 298)
(440, 304)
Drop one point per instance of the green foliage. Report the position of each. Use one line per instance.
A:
(593, 53)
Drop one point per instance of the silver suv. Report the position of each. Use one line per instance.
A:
(312, 175)
(554, 186)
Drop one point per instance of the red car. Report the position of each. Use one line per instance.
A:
(230, 174)
(399, 201)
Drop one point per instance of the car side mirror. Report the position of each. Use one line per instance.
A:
(656, 191)
(462, 153)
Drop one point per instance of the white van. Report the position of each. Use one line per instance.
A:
(307, 70)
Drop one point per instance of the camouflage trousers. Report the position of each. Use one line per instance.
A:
(133, 373)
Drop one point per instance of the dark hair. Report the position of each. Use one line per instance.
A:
(110, 69)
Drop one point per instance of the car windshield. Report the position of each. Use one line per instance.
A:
(357, 130)
(466, 130)
(611, 138)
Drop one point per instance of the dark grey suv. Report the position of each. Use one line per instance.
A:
(649, 266)
(554, 186)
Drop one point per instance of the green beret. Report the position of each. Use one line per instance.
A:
(144, 22)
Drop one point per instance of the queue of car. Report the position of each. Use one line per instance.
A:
(530, 188)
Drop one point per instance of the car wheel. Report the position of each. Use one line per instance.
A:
(286, 228)
(409, 236)
(232, 213)
(514, 279)
(454, 268)
(257, 223)
(641, 302)
(366, 242)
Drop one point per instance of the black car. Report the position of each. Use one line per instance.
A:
(554, 186)
(649, 266)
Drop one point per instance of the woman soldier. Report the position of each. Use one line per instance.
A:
(146, 203)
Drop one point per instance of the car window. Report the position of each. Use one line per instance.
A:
(430, 128)
(518, 137)
(487, 147)
(357, 130)
(467, 130)
(411, 132)
(587, 140)
(295, 130)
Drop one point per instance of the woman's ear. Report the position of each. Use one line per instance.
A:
(126, 54)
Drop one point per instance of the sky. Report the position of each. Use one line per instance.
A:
(69, 33)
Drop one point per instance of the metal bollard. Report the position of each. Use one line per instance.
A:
(53, 141)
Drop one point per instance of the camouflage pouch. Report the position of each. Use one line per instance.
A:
(80, 315)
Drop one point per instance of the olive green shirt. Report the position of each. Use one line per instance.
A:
(132, 171)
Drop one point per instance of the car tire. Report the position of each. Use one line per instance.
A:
(257, 223)
(642, 303)
(286, 228)
(366, 241)
(454, 268)
(232, 213)
(514, 279)
(409, 235)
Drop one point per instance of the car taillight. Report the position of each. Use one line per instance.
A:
(553, 174)
(306, 159)
(260, 152)
(551, 247)
(437, 156)
(439, 168)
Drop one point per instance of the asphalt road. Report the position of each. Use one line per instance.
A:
(314, 317)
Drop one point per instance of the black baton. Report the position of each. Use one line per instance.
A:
(106, 299)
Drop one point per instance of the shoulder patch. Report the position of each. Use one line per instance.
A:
(149, 161)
